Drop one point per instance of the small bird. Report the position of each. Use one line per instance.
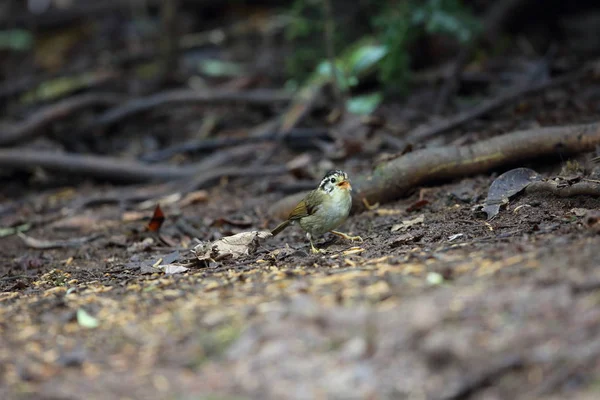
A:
(323, 209)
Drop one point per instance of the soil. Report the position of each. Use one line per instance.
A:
(435, 303)
(451, 307)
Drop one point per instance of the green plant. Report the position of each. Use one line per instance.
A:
(402, 23)
(396, 24)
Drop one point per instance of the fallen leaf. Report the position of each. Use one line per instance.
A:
(55, 244)
(506, 186)
(166, 200)
(157, 220)
(193, 198)
(85, 320)
(171, 269)
(144, 245)
(455, 236)
(408, 223)
(132, 216)
(230, 246)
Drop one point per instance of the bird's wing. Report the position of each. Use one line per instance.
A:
(303, 209)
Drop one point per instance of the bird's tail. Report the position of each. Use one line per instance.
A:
(280, 227)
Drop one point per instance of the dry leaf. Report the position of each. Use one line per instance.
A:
(194, 197)
(171, 269)
(408, 223)
(157, 220)
(165, 201)
(230, 246)
(132, 216)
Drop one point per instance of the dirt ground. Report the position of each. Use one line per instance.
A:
(451, 307)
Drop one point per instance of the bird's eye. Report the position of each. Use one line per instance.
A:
(332, 180)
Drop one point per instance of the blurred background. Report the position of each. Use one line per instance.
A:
(403, 60)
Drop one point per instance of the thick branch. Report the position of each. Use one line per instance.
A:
(396, 178)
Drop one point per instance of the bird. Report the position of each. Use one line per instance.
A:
(323, 209)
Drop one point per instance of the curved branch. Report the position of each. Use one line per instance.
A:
(136, 106)
(33, 126)
(427, 131)
(118, 170)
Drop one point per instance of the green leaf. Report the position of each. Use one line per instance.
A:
(365, 104)
(13, 230)
(219, 68)
(85, 320)
(16, 39)
(365, 58)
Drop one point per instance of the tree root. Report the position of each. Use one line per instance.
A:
(428, 131)
(174, 97)
(117, 170)
(33, 126)
(396, 178)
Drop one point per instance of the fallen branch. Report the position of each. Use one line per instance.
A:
(427, 131)
(33, 126)
(117, 170)
(297, 138)
(584, 188)
(396, 178)
(175, 97)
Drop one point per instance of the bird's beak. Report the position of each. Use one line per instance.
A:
(345, 185)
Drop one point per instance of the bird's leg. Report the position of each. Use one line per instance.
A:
(313, 249)
(347, 237)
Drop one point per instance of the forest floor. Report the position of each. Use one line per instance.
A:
(435, 303)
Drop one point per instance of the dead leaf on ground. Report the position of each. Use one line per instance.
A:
(506, 186)
(172, 269)
(408, 223)
(243, 243)
(157, 220)
(165, 201)
(193, 198)
(55, 244)
(144, 245)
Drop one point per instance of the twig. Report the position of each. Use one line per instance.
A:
(33, 126)
(136, 106)
(299, 138)
(87, 79)
(576, 189)
(424, 132)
